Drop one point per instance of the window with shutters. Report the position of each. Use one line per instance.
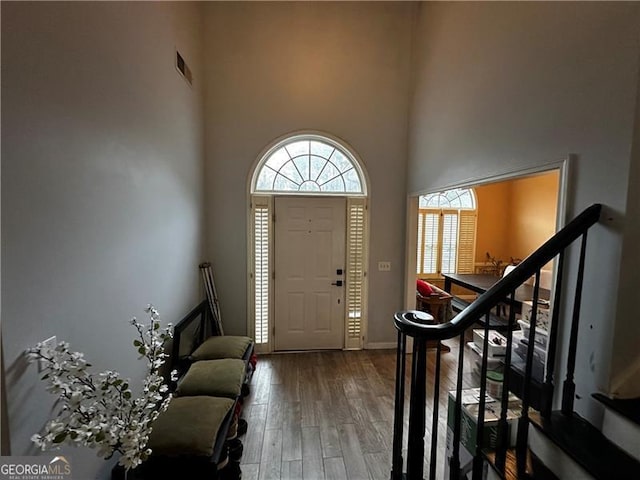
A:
(261, 224)
(307, 164)
(446, 233)
(355, 271)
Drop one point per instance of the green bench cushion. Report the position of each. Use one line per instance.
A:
(216, 378)
(189, 426)
(227, 346)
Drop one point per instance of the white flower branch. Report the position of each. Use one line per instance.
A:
(99, 410)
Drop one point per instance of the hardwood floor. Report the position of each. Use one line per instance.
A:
(329, 415)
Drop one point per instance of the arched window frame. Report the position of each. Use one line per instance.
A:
(446, 233)
(290, 168)
(261, 246)
(457, 198)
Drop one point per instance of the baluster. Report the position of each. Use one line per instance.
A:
(548, 387)
(398, 419)
(454, 464)
(477, 458)
(502, 443)
(436, 408)
(415, 448)
(523, 422)
(569, 388)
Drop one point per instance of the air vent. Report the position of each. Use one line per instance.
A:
(183, 68)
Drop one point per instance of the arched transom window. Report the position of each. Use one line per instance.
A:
(460, 198)
(307, 165)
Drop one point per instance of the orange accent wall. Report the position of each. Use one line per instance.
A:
(492, 231)
(533, 205)
(516, 216)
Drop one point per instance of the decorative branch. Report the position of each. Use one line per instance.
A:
(99, 410)
(496, 263)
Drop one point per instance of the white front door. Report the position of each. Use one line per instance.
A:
(309, 261)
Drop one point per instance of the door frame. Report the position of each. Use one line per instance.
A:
(564, 168)
(265, 201)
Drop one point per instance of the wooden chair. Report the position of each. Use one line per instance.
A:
(437, 304)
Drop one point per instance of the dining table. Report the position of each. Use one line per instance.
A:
(481, 282)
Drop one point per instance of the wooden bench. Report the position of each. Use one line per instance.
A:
(189, 439)
(193, 340)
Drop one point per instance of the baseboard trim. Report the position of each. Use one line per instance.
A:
(380, 345)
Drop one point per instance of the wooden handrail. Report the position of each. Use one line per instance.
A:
(499, 292)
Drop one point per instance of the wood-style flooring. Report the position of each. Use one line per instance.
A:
(329, 415)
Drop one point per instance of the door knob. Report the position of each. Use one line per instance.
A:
(337, 283)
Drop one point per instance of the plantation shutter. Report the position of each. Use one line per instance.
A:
(466, 241)
(355, 272)
(449, 242)
(261, 272)
(428, 241)
(420, 243)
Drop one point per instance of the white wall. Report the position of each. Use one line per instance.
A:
(101, 187)
(275, 68)
(506, 86)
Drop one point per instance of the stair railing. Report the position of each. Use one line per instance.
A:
(420, 326)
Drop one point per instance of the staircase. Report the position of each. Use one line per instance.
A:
(522, 436)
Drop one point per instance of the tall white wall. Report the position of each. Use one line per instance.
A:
(506, 86)
(275, 68)
(102, 188)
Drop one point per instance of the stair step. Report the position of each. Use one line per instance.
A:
(621, 423)
(534, 469)
(628, 408)
(587, 446)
